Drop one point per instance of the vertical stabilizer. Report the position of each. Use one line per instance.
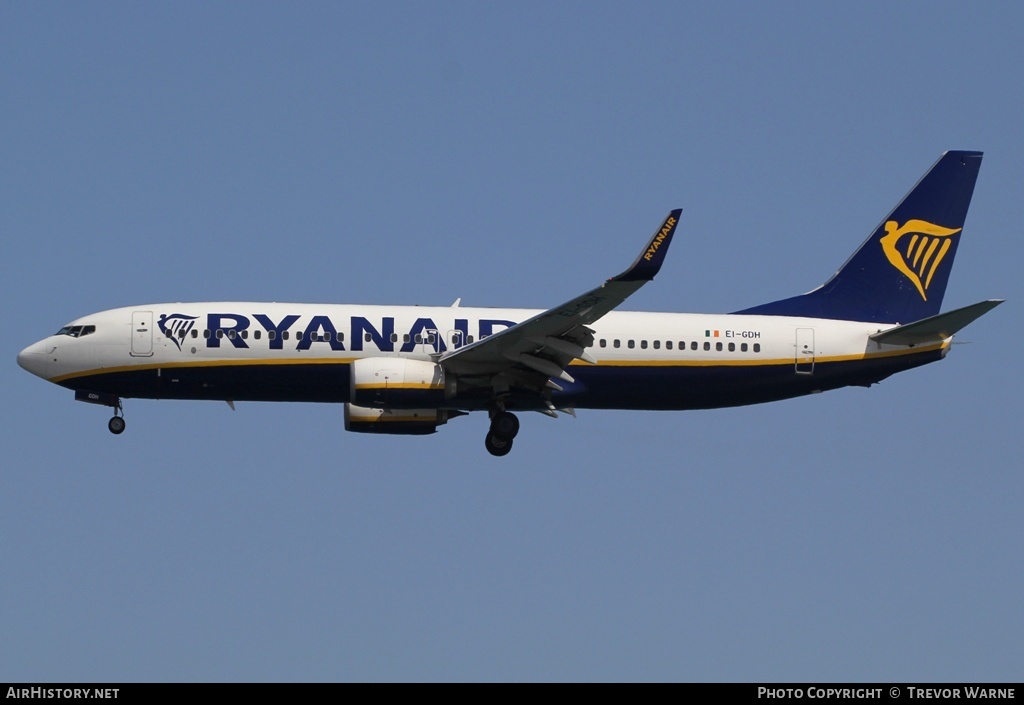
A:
(900, 273)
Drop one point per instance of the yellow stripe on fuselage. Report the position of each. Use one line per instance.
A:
(404, 385)
(681, 362)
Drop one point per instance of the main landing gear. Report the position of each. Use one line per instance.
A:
(504, 427)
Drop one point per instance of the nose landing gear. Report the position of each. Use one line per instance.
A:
(116, 424)
(503, 430)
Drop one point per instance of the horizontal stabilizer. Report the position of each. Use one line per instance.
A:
(935, 329)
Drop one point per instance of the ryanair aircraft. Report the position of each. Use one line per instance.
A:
(409, 369)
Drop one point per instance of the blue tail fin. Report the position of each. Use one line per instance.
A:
(899, 274)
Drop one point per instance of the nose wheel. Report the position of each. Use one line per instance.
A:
(116, 424)
(503, 430)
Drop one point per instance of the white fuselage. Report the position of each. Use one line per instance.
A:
(257, 351)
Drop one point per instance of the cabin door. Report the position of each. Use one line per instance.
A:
(142, 333)
(805, 351)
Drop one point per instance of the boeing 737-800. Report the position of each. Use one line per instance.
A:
(409, 369)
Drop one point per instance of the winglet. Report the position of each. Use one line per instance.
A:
(649, 262)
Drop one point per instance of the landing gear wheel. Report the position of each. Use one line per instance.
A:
(497, 446)
(504, 426)
(116, 425)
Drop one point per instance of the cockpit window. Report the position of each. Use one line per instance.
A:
(76, 331)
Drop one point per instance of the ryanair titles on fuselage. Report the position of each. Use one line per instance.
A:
(299, 332)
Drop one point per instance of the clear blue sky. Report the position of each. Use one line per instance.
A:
(512, 154)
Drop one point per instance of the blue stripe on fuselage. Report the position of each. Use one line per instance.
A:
(639, 386)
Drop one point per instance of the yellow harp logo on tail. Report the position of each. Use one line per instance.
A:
(921, 253)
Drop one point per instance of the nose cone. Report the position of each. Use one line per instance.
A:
(33, 359)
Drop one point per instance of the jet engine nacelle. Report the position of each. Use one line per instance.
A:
(403, 422)
(398, 383)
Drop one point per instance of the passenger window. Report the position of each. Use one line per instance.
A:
(707, 346)
(271, 335)
(693, 345)
(643, 344)
(284, 335)
(732, 347)
(743, 347)
(603, 343)
(718, 347)
(615, 343)
(757, 347)
(231, 334)
(419, 339)
(367, 338)
(668, 344)
(405, 338)
(631, 344)
(394, 337)
(657, 344)
(220, 333)
(469, 339)
(256, 334)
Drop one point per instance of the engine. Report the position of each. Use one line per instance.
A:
(398, 383)
(405, 422)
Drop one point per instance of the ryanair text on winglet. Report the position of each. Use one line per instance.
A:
(656, 242)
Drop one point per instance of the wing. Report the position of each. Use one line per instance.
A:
(530, 353)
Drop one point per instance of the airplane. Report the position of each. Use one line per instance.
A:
(410, 369)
